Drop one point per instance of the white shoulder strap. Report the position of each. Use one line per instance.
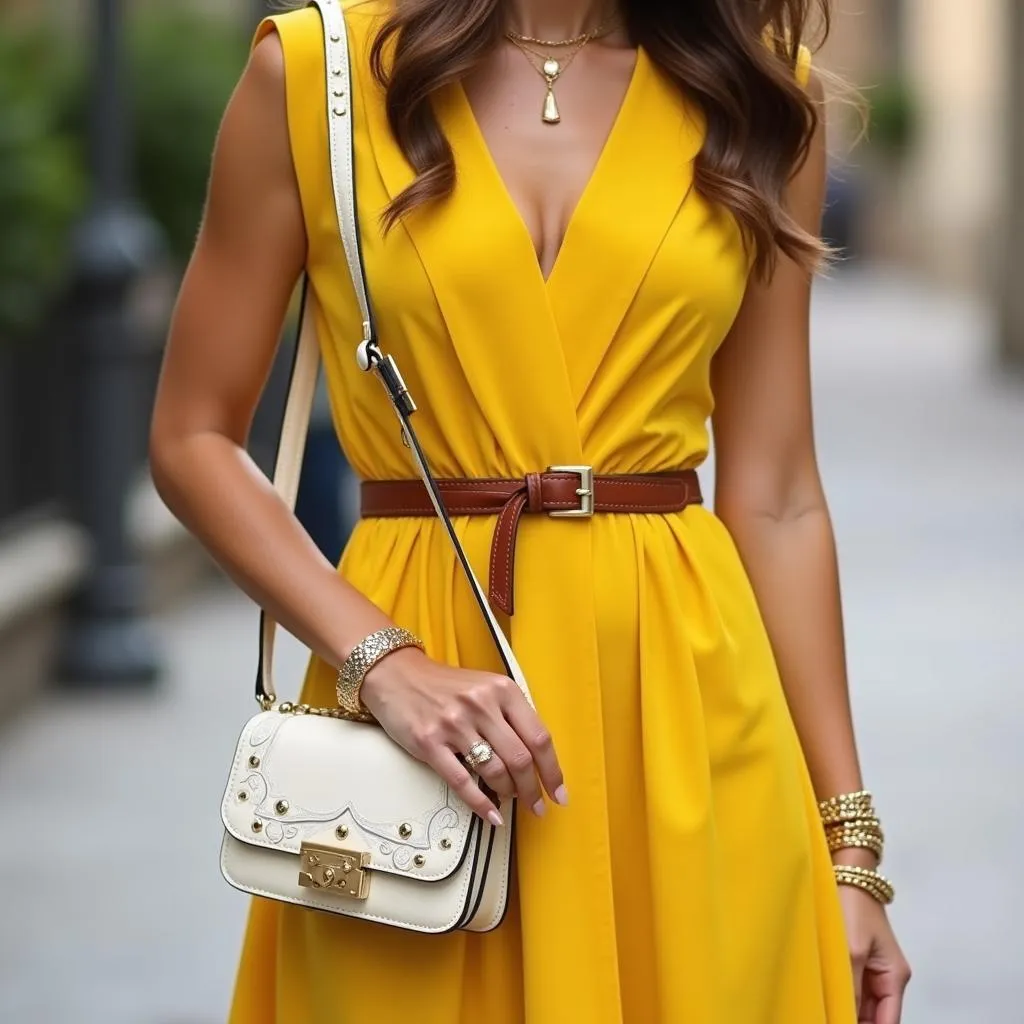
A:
(304, 369)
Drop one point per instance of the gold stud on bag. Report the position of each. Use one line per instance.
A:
(322, 809)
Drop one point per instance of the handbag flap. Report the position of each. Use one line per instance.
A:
(302, 777)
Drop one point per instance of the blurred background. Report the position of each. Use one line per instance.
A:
(125, 659)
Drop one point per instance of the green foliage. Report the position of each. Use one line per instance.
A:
(893, 116)
(183, 68)
(41, 181)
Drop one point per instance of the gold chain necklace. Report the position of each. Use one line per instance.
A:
(583, 37)
(552, 68)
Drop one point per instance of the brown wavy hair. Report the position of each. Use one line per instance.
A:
(734, 58)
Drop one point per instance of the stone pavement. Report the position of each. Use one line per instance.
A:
(112, 910)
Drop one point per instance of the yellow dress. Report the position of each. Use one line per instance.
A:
(688, 881)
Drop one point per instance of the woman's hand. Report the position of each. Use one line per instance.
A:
(880, 970)
(437, 713)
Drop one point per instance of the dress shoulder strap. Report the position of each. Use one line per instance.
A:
(803, 65)
(301, 36)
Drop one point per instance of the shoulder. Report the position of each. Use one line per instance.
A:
(300, 34)
(807, 78)
(800, 64)
(286, 39)
(804, 63)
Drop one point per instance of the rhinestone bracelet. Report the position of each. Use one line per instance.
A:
(364, 656)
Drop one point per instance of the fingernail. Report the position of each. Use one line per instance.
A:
(561, 796)
(539, 808)
(495, 819)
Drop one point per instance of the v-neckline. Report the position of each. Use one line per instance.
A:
(481, 143)
(503, 320)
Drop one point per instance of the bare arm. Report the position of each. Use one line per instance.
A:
(769, 494)
(249, 255)
(223, 339)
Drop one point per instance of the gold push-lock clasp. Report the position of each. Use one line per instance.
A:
(335, 869)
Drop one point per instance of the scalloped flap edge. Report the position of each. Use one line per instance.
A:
(299, 777)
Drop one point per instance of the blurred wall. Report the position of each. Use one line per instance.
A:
(958, 64)
(938, 208)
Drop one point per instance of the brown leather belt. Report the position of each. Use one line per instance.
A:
(562, 491)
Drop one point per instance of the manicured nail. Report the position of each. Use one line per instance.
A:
(495, 819)
(539, 808)
(561, 796)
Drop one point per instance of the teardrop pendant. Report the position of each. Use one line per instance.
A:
(551, 114)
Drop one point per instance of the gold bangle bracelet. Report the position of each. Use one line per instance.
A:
(862, 796)
(870, 825)
(838, 835)
(847, 807)
(875, 885)
(856, 841)
(364, 656)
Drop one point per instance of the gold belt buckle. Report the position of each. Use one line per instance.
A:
(335, 869)
(585, 492)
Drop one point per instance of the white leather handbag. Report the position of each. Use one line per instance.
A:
(327, 812)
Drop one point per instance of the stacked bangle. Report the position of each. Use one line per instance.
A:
(846, 807)
(871, 882)
(856, 836)
(850, 822)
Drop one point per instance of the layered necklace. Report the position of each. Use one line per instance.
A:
(551, 67)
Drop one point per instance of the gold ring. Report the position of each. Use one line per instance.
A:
(480, 753)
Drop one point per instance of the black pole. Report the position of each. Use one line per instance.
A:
(108, 642)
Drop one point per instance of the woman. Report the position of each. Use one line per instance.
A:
(586, 228)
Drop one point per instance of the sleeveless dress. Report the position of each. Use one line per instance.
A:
(688, 881)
